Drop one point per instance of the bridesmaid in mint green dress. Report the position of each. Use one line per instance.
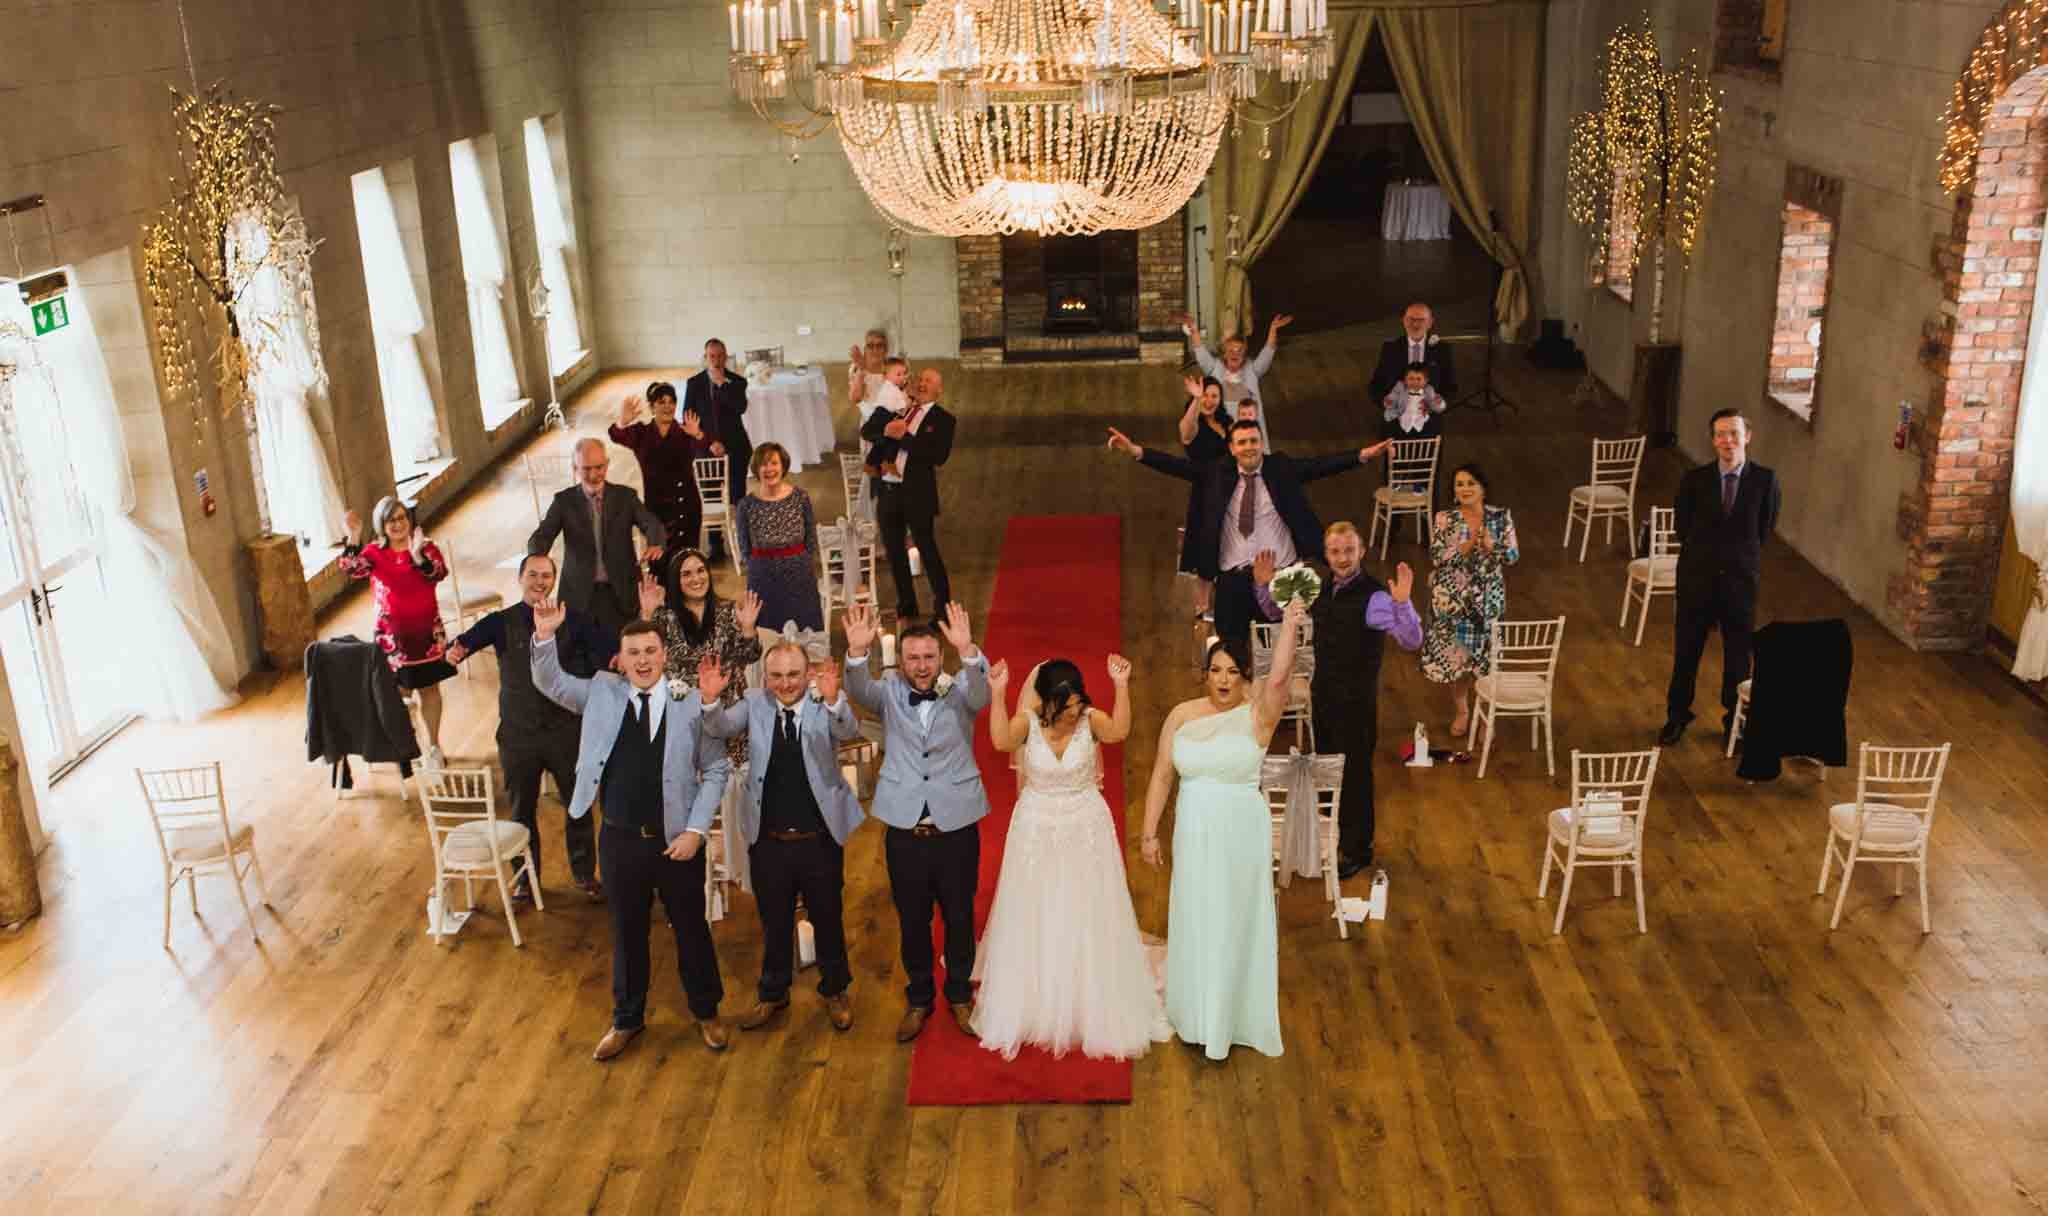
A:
(1222, 936)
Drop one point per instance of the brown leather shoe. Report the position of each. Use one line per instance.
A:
(714, 1034)
(963, 1017)
(913, 1022)
(614, 1042)
(761, 1014)
(840, 1009)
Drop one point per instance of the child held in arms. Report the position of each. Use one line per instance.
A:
(1413, 409)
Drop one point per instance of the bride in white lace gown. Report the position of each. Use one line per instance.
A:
(1061, 963)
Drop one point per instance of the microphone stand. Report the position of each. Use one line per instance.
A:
(1486, 397)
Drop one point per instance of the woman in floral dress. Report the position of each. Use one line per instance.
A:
(778, 542)
(1472, 545)
(694, 623)
(403, 567)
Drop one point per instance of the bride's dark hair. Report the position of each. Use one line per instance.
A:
(1058, 685)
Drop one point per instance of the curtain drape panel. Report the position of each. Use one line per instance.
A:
(395, 316)
(483, 269)
(1471, 78)
(2030, 525)
(551, 236)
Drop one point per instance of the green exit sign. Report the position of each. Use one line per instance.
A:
(50, 315)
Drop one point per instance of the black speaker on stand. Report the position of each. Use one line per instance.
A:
(1486, 397)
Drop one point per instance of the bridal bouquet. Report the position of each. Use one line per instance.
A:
(1296, 580)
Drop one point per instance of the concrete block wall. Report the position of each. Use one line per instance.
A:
(706, 227)
(84, 120)
(1861, 90)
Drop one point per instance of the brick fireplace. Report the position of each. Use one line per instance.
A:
(1118, 296)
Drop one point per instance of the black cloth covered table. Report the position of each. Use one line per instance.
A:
(1798, 697)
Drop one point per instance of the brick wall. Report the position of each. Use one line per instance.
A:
(1803, 254)
(1748, 35)
(1162, 276)
(980, 276)
(1953, 519)
(1162, 292)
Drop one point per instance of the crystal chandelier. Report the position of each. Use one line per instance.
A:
(1063, 117)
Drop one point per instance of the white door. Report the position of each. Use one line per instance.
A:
(54, 610)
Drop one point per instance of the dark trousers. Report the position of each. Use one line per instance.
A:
(1351, 728)
(895, 517)
(942, 869)
(1235, 608)
(605, 610)
(1729, 603)
(683, 520)
(635, 870)
(524, 762)
(816, 870)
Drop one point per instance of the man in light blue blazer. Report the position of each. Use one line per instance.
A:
(796, 816)
(644, 755)
(931, 797)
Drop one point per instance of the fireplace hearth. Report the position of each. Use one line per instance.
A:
(1031, 298)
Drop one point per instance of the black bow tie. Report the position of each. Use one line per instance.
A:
(918, 698)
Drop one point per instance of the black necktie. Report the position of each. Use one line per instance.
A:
(918, 698)
(645, 709)
(1728, 481)
(789, 725)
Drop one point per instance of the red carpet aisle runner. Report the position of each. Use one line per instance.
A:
(1058, 593)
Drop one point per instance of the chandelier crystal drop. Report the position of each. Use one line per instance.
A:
(1067, 117)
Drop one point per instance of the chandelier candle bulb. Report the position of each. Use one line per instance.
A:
(732, 16)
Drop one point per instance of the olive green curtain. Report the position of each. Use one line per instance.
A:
(1471, 77)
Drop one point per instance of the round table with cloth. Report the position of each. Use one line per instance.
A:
(1416, 211)
(792, 408)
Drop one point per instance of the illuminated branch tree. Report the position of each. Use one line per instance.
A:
(227, 179)
(1645, 159)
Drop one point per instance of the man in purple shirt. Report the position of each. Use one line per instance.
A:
(1352, 617)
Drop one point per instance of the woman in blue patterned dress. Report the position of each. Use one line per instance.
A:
(778, 540)
(1472, 545)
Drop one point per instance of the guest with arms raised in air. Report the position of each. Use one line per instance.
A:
(717, 398)
(1253, 503)
(1472, 545)
(796, 817)
(1223, 956)
(643, 751)
(403, 566)
(695, 624)
(1240, 377)
(909, 449)
(777, 531)
(930, 796)
(1204, 437)
(664, 446)
(1061, 962)
(1353, 617)
(536, 735)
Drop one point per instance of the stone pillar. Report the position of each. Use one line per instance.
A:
(21, 897)
(282, 600)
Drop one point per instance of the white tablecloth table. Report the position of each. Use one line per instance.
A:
(791, 408)
(1416, 211)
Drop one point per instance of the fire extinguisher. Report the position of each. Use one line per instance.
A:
(1905, 425)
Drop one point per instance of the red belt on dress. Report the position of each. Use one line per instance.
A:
(784, 551)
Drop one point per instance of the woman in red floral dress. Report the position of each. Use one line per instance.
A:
(403, 568)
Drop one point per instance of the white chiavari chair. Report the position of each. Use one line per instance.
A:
(1310, 851)
(713, 474)
(1603, 827)
(1522, 683)
(460, 611)
(1655, 573)
(1889, 822)
(848, 551)
(469, 840)
(1610, 495)
(189, 810)
(1741, 717)
(853, 478)
(1265, 634)
(1410, 489)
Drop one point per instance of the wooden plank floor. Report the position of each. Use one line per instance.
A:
(1456, 1057)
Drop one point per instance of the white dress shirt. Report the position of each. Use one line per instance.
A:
(657, 706)
(916, 415)
(1269, 531)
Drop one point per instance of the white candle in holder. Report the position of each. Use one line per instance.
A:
(888, 650)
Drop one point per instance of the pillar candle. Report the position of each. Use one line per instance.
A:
(732, 17)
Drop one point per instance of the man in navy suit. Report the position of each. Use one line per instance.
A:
(930, 795)
(642, 750)
(1252, 503)
(796, 816)
(718, 399)
(1726, 510)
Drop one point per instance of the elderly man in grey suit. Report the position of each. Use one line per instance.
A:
(660, 776)
(596, 518)
(796, 816)
(930, 795)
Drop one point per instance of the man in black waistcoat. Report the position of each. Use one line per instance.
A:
(1352, 617)
(536, 735)
(661, 776)
(1726, 510)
